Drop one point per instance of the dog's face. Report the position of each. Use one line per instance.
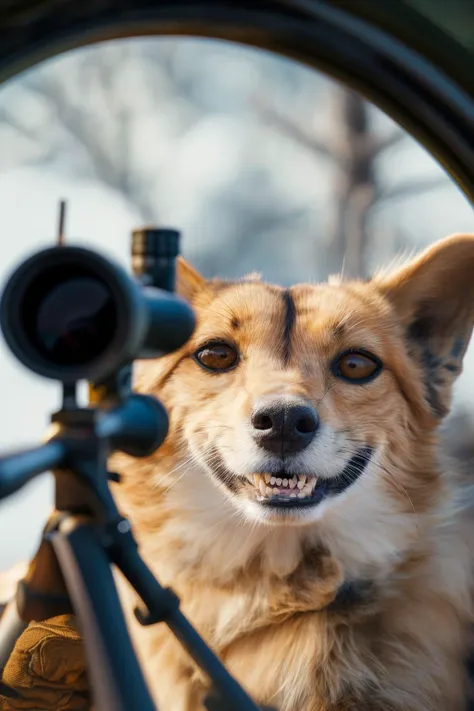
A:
(293, 402)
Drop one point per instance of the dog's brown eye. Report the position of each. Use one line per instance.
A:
(217, 356)
(357, 366)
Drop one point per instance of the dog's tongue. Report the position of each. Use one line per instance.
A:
(285, 491)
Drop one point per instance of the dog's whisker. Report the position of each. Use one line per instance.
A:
(173, 483)
(160, 481)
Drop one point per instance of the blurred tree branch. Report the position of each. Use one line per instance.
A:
(292, 129)
(90, 117)
(411, 188)
(354, 149)
(9, 119)
(382, 143)
(102, 138)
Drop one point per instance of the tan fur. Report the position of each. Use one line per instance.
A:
(259, 588)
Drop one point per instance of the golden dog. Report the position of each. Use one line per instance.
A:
(300, 507)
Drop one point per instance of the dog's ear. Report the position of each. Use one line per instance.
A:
(189, 282)
(433, 297)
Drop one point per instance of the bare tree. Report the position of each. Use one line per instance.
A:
(85, 121)
(90, 118)
(354, 149)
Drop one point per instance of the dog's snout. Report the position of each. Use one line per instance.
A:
(284, 428)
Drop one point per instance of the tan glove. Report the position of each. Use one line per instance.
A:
(46, 670)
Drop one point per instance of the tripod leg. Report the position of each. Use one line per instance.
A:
(41, 594)
(116, 677)
(41, 652)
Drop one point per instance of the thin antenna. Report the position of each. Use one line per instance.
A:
(62, 220)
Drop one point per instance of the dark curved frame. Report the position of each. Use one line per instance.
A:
(428, 100)
(436, 108)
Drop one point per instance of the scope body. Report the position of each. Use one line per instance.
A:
(69, 313)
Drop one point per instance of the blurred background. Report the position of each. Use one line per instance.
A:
(262, 163)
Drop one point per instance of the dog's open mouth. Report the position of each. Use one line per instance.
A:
(286, 490)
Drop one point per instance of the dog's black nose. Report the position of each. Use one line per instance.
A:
(283, 428)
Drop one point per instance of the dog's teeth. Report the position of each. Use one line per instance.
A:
(265, 485)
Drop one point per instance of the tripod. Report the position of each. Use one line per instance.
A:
(109, 321)
(71, 570)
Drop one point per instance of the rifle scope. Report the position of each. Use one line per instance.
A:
(70, 314)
